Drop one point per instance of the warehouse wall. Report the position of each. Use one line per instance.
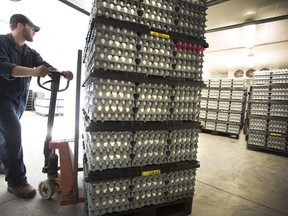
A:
(214, 74)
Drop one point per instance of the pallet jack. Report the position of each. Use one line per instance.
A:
(63, 178)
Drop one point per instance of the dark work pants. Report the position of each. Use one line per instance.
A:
(10, 144)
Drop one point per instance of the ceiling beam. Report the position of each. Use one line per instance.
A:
(237, 48)
(70, 4)
(215, 2)
(239, 25)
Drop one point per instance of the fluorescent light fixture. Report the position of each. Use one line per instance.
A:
(249, 34)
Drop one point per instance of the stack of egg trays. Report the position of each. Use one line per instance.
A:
(115, 100)
(222, 105)
(122, 149)
(278, 116)
(161, 56)
(109, 99)
(188, 61)
(186, 103)
(114, 159)
(114, 47)
(267, 114)
(268, 131)
(181, 16)
(119, 195)
(257, 138)
(125, 11)
(262, 78)
(181, 59)
(190, 18)
(153, 102)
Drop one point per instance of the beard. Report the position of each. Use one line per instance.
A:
(27, 36)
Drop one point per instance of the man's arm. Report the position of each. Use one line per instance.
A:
(39, 61)
(20, 71)
(9, 70)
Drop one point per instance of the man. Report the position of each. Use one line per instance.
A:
(18, 64)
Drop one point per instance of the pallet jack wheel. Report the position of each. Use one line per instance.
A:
(46, 189)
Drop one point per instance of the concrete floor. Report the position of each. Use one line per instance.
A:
(232, 181)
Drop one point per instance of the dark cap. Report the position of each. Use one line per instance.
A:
(20, 18)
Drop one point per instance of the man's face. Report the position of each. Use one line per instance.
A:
(28, 32)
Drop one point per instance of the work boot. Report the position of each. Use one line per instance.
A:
(1, 168)
(23, 191)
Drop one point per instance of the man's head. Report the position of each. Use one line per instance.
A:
(23, 28)
(20, 18)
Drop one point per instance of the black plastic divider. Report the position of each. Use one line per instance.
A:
(221, 133)
(269, 117)
(132, 172)
(269, 101)
(222, 81)
(221, 99)
(261, 131)
(140, 78)
(221, 122)
(222, 110)
(269, 85)
(225, 88)
(92, 126)
(268, 150)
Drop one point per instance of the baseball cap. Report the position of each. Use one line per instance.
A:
(20, 18)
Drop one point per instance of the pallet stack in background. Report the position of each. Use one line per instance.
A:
(42, 106)
(142, 96)
(267, 128)
(30, 101)
(223, 106)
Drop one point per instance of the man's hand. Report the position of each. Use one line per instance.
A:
(67, 74)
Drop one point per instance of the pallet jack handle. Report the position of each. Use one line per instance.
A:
(55, 80)
(54, 89)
